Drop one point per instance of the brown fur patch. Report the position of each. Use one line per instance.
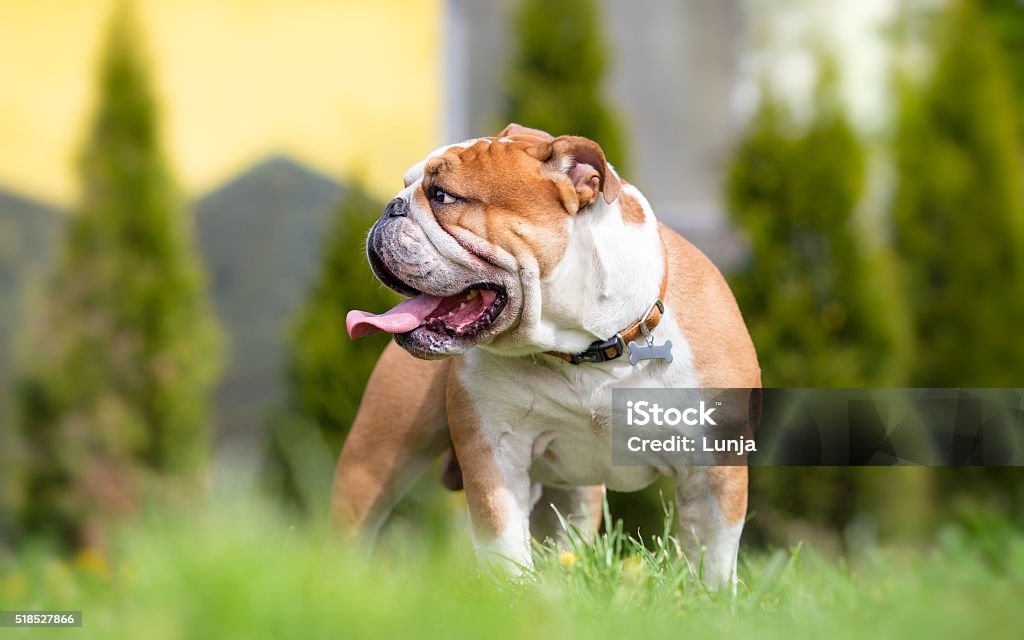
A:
(729, 486)
(703, 305)
(632, 210)
(505, 196)
(401, 416)
(514, 130)
(723, 353)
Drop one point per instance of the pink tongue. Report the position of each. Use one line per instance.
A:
(406, 316)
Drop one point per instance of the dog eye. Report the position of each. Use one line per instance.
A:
(443, 197)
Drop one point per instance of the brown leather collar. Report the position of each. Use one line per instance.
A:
(614, 347)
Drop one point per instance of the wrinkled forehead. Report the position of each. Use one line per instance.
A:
(415, 173)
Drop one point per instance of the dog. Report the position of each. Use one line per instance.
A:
(529, 264)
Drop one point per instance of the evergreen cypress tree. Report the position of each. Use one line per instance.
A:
(817, 298)
(958, 217)
(123, 349)
(327, 370)
(554, 82)
(821, 302)
(1005, 20)
(10, 468)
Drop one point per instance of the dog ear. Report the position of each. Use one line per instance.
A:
(514, 130)
(583, 161)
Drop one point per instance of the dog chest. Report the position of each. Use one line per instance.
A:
(563, 415)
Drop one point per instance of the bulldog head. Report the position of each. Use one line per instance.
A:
(477, 228)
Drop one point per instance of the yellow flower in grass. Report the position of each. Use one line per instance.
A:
(127, 574)
(91, 560)
(14, 586)
(567, 558)
(59, 579)
(632, 567)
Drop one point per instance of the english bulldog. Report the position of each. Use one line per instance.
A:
(530, 266)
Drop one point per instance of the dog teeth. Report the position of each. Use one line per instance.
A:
(472, 294)
(461, 307)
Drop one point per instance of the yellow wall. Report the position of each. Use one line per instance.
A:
(344, 85)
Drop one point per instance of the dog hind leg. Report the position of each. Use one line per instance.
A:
(581, 507)
(712, 505)
(399, 431)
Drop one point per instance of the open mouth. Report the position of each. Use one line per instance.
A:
(464, 315)
(468, 313)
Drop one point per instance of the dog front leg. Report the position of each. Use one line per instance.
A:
(712, 505)
(495, 475)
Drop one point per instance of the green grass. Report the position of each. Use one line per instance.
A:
(239, 571)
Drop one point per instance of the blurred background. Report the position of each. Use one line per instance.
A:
(185, 187)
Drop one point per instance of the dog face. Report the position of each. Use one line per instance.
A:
(476, 230)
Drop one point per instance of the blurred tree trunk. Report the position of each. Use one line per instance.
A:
(899, 500)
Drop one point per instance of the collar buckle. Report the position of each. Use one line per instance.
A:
(601, 351)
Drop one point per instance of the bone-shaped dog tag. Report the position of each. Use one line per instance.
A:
(638, 352)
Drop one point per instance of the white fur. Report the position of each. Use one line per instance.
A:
(609, 275)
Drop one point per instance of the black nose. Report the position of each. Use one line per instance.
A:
(397, 208)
